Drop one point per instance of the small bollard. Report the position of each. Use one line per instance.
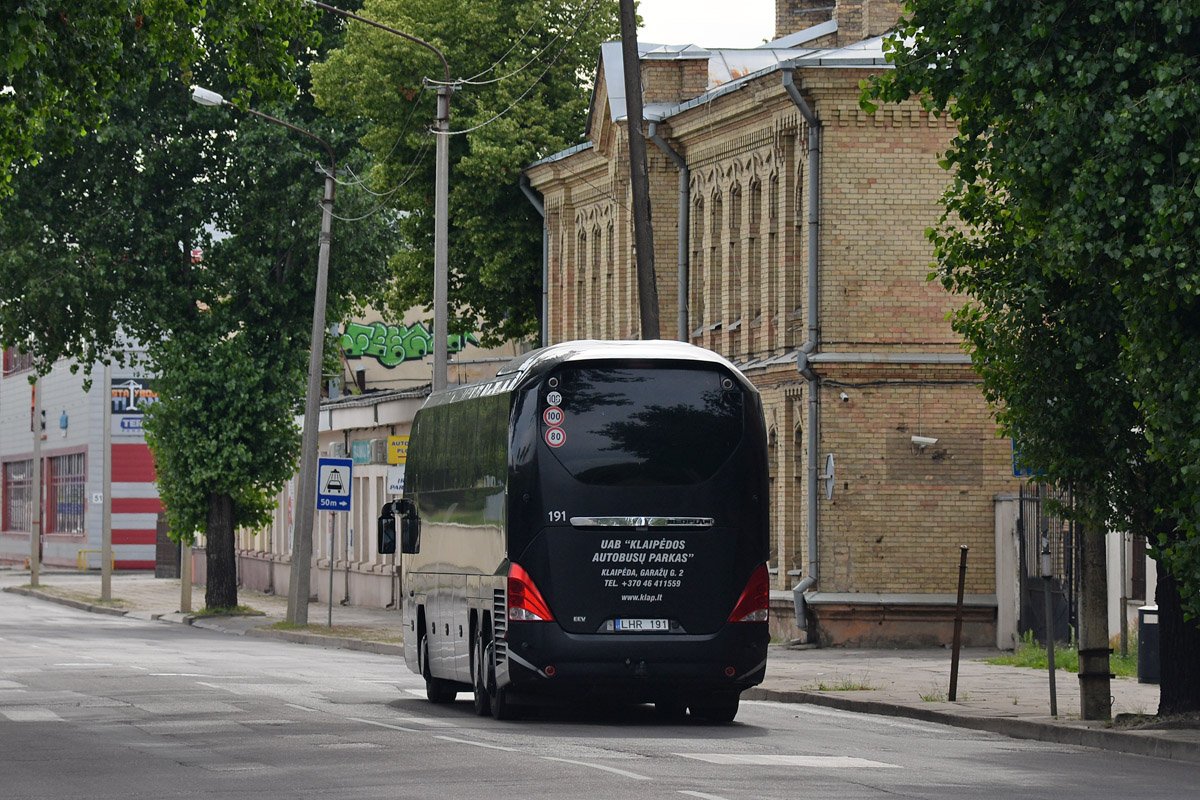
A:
(958, 620)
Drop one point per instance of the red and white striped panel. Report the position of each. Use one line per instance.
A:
(135, 506)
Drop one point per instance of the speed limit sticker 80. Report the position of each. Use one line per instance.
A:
(555, 437)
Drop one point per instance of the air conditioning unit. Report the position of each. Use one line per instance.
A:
(337, 450)
(379, 451)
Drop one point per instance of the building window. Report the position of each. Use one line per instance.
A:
(18, 489)
(65, 492)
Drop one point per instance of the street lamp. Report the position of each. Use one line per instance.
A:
(298, 586)
(441, 204)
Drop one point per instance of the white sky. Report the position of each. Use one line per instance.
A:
(708, 23)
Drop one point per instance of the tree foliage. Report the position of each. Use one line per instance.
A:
(96, 248)
(521, 63)
(62, 63)
(1071, 226)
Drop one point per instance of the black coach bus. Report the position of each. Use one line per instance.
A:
(590, 522)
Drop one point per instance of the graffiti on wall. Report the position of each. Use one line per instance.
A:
(392, 345)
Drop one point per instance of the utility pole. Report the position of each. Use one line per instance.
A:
(106, 486)
(35, 516)
(639, 181)
(441, 192)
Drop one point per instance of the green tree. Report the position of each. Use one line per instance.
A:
(1070, 225)
(62, 63)
(520, 99)
(97, 247)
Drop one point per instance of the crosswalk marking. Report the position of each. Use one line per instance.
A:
(30, 714)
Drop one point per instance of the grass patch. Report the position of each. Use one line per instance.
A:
(843, 685)
(383, 635)
(240, 611)
(1032, 655)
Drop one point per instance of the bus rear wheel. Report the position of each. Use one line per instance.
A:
(479, 676)
(502, 707)
(436, 690)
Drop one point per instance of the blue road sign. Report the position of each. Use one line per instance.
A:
(333, 483)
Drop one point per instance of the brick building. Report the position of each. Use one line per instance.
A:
(804, 260)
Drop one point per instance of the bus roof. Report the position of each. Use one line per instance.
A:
(537, 362)
(544, 358)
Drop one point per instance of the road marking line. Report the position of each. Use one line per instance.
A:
(477, 744)
(702, 795)
(770, 760)
(383, 725)
(626, 773)
(30, 714)
(433, 723)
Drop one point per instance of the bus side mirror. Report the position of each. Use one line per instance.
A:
(410, 526)
(386, 534)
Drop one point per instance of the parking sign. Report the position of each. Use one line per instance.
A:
(334, 483)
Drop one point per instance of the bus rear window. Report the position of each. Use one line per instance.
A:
(651, 426)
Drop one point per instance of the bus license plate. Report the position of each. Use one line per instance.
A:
(643, 625)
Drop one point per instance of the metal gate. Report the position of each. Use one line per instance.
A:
(1039, 529)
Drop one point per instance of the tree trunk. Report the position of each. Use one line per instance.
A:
(1095, 687)
(221, 588)
(1179, 650)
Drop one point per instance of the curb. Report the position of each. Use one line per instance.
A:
(1097, 738)
(66, 601)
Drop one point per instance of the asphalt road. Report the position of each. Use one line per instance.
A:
(113, 707)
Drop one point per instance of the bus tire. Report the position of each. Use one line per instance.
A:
(718, 708)
(479, 674)
(436, 690)
(502, 707)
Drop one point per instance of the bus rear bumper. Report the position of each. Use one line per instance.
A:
(545, 661)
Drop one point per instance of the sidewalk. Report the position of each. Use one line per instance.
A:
(904, 683)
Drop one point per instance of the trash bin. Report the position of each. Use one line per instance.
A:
(1148, 644)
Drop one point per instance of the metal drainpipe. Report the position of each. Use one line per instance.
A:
(541, 209)
(814, 336)
(684, 224)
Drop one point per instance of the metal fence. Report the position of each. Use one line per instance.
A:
(1041, 529)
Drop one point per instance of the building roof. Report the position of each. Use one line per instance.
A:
(730, 68)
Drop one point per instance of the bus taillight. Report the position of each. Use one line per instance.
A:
(755, 602)
(525, 602)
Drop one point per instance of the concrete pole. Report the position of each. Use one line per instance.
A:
(639, 178)
(306, 495)
(441, 213)
(1094, 680)
(185, 577)
(106, 488)
(35, 516)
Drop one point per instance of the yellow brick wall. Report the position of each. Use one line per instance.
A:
(898, 515)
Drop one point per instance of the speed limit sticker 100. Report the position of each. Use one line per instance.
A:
(553, 416)
(556, 437)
